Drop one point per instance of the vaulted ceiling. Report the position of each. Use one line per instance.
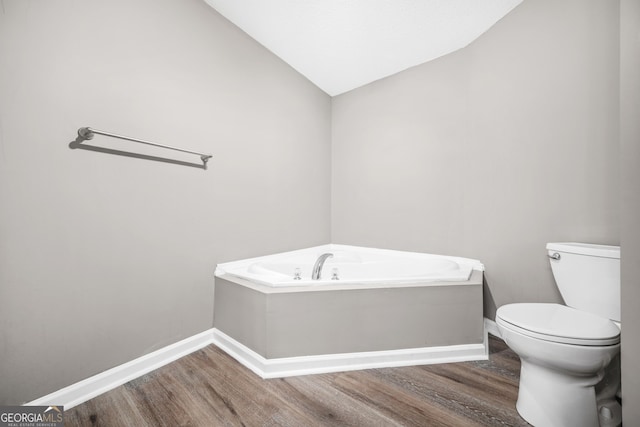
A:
(343, 44)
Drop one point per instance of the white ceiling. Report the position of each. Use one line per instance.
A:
(343, 44)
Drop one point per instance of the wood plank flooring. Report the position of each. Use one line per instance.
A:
(209, 388)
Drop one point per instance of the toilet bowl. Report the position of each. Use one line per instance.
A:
(561, 363)
(567, 378)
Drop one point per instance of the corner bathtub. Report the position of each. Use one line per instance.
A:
(386, 308)
(352, 264)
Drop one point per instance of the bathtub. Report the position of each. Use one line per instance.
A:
(371, 308)
(351, 265)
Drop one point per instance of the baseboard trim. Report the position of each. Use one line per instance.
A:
(491, 327)
(91, 387)
(305, 365)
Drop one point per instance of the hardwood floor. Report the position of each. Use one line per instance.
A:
(209, 388)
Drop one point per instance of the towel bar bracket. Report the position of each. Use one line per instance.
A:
(85, 133)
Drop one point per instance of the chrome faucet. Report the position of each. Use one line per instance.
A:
(317, 268)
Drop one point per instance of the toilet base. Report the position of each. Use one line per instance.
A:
(548, 398)
(610, 414)
(608, 395)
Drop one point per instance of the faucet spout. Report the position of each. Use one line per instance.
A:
(317, 268)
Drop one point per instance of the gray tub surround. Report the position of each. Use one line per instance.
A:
(386, 308)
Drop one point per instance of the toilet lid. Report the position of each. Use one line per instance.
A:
(558, 323)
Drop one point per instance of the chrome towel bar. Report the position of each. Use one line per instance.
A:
(87, 133)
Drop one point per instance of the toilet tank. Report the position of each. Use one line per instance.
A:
(588, 276)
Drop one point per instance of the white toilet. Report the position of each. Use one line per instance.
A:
(570, 363)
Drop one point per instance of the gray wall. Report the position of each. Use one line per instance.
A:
(492, 151)
(105, 258)
(630, 198)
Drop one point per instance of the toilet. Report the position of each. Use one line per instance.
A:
(570, 361)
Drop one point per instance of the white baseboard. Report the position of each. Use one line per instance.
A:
(305, 365)
(91, 387)
(491, 327)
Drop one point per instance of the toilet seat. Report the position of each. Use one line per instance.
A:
(558, 323)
